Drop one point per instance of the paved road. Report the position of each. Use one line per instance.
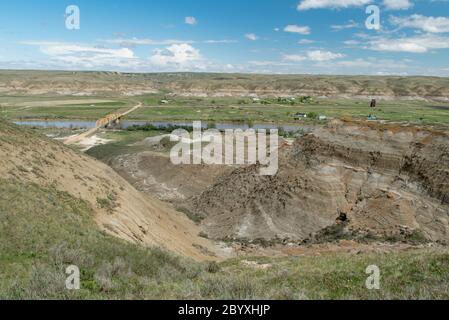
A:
(89, 133)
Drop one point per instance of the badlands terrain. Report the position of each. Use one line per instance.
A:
(356, 186)
(219, 85)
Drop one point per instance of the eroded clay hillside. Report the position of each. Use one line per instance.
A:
(120, 210)
(381, 180)
(189, 84)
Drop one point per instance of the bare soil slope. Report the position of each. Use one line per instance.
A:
(154, 174)
(374, 179)
(120, 210)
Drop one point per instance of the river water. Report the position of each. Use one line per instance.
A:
(77, 124)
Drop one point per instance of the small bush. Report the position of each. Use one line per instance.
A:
(312, 115)
(213, 267)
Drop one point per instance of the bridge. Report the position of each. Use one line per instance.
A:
(101, 123)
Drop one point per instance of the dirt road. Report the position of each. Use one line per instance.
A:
(77, 139)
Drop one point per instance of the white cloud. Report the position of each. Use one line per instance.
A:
(351, 42)
(417, 44)
(219, 41)
(373, 63)
(136, 41)
(314, 55)
(427, 24)
(150, 42)
(357, 63)
(318, 55)
(333, 4)
(176, 54)
(297, 29)
(360, 66)
(294, 57)
(61, 48)
(269, 63)
(351, 24)
(68, 49)
(67, 56)
(251, 36)
(305, 41)
(398, 4)
(176, 57)
(84, 56)
(191, 20)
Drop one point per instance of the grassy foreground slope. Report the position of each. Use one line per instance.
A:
(42, 231)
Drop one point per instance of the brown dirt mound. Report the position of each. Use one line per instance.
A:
(154, 174)
(120, 210)
(380, 180)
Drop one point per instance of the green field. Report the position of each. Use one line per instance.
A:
(411, 111)
(57, 108)
(224, 109)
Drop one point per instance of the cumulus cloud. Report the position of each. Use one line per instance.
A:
(191, 20)
(427, 24)
(251, 36)
(415, 44)
(179, 55)
(76, 55)
(398, 4)
(314, 55)
(175, 57)
(332, 4)
(297, 29)
(318, 55)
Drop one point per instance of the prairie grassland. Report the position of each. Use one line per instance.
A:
(233, 109)
(418, 112)
(70, 108)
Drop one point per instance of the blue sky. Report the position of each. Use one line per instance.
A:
(256, 36)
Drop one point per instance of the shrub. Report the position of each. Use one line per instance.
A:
(312, 115)
(213, 267)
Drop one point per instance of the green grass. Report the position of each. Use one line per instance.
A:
(62, 113)
(42, 231)
(186, 110)
(239, 109)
